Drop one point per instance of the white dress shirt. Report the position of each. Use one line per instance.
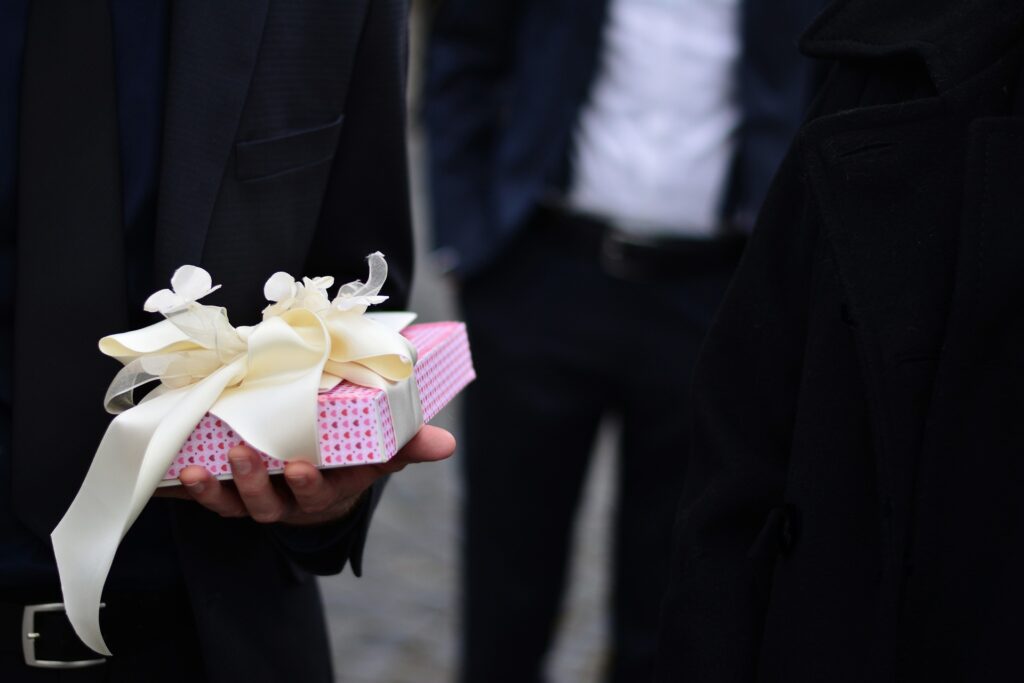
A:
(655, 142)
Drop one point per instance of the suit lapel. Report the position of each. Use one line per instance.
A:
(213, 50)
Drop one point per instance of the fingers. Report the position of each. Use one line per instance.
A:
(312, 492)
(259, 496)
(429, 445)
(205, 489)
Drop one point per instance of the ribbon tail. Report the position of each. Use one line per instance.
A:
(136, 450)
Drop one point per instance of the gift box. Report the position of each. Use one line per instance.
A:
(354, 422)
(319, 378)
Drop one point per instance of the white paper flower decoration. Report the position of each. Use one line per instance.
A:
(282, 290)
(285, 293)
(188, 285)
(314, 293)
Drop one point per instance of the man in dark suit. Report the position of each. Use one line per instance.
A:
(594, 165)
(853, 509)
(246, 137)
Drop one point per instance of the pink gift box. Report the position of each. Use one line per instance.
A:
(351, 418)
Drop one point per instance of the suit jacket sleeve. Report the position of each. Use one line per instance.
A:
(324, 550)
(366, 209)
(469, 57)
(745, 395)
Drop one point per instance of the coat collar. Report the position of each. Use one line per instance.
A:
(213, 50)
(952, 38)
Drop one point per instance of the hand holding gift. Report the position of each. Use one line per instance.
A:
(311, 495)
(319, 383)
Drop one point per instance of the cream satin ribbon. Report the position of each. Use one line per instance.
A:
(262, 380)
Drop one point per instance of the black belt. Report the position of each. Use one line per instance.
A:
(41, 632)
(635, 257)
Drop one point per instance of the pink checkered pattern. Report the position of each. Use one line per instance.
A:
(450, 368)
(353, 421)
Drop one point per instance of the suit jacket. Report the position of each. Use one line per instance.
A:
(505, 83)
(283, 150)
(853, 510)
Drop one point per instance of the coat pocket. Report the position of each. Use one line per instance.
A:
(289, 151)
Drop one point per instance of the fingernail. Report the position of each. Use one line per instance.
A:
(241, 466)
(195, 487)
(299, 481)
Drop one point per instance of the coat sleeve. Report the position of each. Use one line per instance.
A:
(366, 208)
(470, 54)
(745, 394)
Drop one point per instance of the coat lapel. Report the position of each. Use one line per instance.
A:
(890, 183)
(906, 195)
(893, 240)
(213, 51)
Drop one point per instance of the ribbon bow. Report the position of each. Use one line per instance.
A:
(262, 380)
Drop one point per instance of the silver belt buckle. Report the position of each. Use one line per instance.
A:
(29, 636)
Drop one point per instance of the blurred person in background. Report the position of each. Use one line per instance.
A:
(594, 166)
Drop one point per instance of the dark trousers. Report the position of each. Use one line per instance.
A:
(558, 343)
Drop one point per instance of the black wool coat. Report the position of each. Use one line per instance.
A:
(855, 502)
